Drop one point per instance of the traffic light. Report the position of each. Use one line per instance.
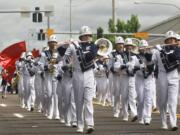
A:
(41, 35)
(99, 33)
(37, 16)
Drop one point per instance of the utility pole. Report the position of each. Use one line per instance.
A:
(113, 11)
(70, 19)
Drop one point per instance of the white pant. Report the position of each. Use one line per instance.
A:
(84, 91)
(21, 91)
(117, 93)
(39, 91)
(52, 98)
(168, 86)
(154, 104)
(144, 97)
(102, 87)
(30, 91)
(72, 111)
(67, 94)
(61, 100)
(25, 84)
(111, 89)
(129, 95)
(179, 95)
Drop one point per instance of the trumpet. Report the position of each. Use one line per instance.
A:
(67, 43)
(153, 47)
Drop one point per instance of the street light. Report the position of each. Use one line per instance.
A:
(158, 3)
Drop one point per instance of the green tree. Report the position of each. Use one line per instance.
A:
(121, 26)
(111, 26)
(100, 32)
(133, 24)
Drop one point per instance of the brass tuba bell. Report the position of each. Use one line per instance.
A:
(104, 47)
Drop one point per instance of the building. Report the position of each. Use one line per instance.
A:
(172, 23)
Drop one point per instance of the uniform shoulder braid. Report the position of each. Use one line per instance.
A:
(86, 54)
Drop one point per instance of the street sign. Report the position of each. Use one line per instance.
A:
(50, 32)
(143, 35)
(25, 12)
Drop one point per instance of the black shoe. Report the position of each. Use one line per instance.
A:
(90, 129)
(134, 118)
(174, 128)
(74, 125)
(32, 109)
(147, 124)
(154, 109)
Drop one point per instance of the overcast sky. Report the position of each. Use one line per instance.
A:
(93, 13)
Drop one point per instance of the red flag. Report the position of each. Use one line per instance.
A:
(9, 56)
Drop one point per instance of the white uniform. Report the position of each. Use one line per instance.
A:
(144, 92)
(84, 90)
(39, 88)
(29, 85)
(167, 90)
(50, 81)
(101, 82)
(154, 103)
(128, 92)
(21, 92)
(68, 95)
(116, 61)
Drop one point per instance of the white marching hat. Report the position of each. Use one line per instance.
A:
(119, 40)
(85, 30)
(129, 41)
(53, 38)
(170, 34)
(29, 54)
(143, 43)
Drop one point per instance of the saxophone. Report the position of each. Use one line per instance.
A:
(52, 62)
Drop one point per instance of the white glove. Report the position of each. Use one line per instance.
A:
(117, 66)
(39, 72)
(101, 68)
(158, 47)
(118, 57)
(142, 66)
(129, 64)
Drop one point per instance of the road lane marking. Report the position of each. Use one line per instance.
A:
(3, 105)
(18, 115)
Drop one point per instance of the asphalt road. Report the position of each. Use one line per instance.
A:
(34, 123)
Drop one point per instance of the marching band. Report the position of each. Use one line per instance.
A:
(63, 81)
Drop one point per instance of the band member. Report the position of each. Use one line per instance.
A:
(144, 80)
(115, 57)
(49, 60)
(167, 59)
(83, 54)
(39, 78)
(178, 41)
(20, 64)
(101, 75)
(4, 83)
(65, 93)
(29, 85)
(128, 92)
